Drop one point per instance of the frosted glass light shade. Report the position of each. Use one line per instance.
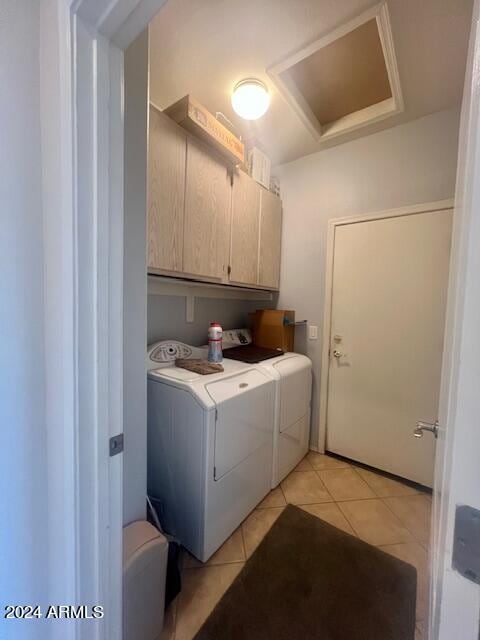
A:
(250, 99)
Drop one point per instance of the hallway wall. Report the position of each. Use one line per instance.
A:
(23, 451)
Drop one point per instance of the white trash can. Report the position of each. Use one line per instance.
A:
(145, 554)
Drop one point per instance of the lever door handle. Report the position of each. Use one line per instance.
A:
(425, 426)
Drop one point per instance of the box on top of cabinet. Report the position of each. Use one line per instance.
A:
(194, 117)
(259, 167)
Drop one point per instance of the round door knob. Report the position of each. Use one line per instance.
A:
(337, 354)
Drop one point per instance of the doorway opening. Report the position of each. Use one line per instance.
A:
(386, 297)
(216, 247)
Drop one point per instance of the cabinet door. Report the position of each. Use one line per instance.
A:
(245, 229)
(166, 193)
(207, 214)
(270, 240)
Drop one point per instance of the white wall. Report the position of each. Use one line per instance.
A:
(408, 164)
(23, 463)
(135, 282)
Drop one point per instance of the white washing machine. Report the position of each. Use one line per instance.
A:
(210, 445)
(292, 373)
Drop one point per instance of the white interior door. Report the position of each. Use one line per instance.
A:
(388, 305)
(455, 599)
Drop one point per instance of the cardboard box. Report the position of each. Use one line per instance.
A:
(193, 116)
(274, 329)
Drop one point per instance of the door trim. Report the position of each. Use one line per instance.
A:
(440, 205)
(81, 117)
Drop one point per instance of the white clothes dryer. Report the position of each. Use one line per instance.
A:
(292, 373)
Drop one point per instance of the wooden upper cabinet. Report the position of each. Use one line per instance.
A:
(199, 224)
(207, 213)
(270, 240)
(245, 229)
(166, 193)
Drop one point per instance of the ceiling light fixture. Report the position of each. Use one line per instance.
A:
(250, 99)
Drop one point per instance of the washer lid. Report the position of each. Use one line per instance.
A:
(288, 362)
(198, 384)
(236, 385)
(175, 374)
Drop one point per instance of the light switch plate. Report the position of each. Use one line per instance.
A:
(312, 332)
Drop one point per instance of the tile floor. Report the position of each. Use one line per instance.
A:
(381, 511)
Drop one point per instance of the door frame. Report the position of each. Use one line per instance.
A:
(440, 205)
(81, 113)
(81, 118)
(454, 600)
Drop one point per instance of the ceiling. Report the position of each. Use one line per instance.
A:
(203, 47)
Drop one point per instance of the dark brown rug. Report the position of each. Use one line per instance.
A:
(308, 580)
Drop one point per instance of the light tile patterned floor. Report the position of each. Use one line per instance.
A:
(381, 511)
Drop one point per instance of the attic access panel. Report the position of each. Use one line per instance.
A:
(346, 75)
(344, 80)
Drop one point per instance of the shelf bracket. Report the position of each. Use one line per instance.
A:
(189, 309)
